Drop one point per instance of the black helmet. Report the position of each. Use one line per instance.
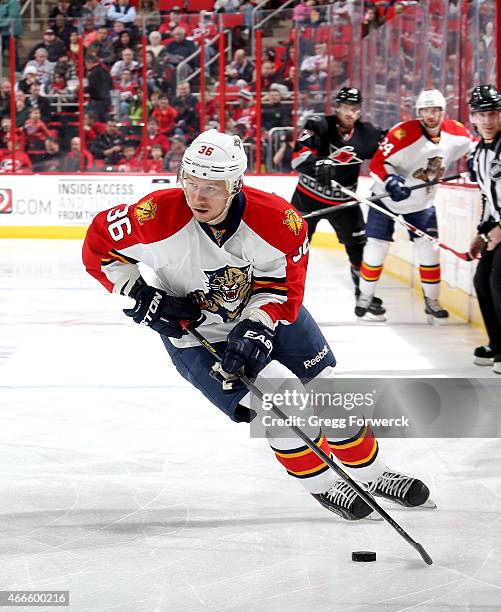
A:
(349, 95)
(485, 98)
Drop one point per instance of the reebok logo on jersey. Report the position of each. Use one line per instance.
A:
(155, 303)
(309, 363)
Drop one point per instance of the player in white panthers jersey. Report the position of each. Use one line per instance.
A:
(413, 152)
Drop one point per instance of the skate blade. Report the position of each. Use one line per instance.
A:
(483, 361)
(372, 318)
(497, 368)
(431, 320)
(429, 503)
(373, 517)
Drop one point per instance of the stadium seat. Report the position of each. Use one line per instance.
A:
(195, 6)
(232, 20)
(167, 5)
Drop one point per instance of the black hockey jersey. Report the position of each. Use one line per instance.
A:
(321, 138)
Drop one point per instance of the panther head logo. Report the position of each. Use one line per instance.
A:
(433, 171)
(228, 294)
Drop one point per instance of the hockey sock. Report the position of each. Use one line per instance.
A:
(359, 455)
(428, 257)
(299, 460)
(375, 252)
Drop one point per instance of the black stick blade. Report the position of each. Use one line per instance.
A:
(426, 557)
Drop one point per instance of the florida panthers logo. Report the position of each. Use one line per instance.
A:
(228, 294)
(433, 171)
(145, 211)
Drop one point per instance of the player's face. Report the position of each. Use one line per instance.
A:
(207, 199)
(347, 114)
(488, 123)
(431, 117)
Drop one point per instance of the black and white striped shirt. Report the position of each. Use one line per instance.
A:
(487, 167)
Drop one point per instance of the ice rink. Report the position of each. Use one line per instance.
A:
(120, 484)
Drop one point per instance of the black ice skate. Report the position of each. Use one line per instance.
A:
(497, 364)
(342, 499)
(484, 356)
(435, 314)
(369, 308)
(402, 489)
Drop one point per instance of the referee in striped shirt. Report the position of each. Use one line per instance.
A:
(485, 109)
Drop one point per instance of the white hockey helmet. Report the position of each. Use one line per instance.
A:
(430, 98)
(216, 156)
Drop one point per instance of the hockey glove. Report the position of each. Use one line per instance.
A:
(249, 346)
(325, 171)
(396, 188)
(160, 311)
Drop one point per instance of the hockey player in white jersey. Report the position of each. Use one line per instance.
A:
(238, 256)
(413, 152)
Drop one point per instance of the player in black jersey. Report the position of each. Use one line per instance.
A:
(333, 147)
(485, 109)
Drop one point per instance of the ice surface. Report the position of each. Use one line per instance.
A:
(120, 484)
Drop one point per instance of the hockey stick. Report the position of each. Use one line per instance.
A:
(333, 208)
(464, 256)
(318, 451)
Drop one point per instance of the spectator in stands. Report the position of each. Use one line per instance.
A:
(35, 129)
(153, 72)
(50, 159)
(103, 47)
(74, 47)
(10, 24)
(136, 108)
(187, 122)
(126, 63)
(99, 88)
(58, 88)
(68, 68)
(22, 108)
(372, 20)
(92, 128)
(96, 10)
(155, 138)
(245, 107)
(165, 115)
(151, 15)
(205, 27)
(179, 49)
(240, 68)
(89, 33)
(283, 156)
(130, 162)
(124, 41)
(54, 46)
(63, 8)
(71, 161)
(108, 146)
(184, 96)
(117, 28)
(29, 77)
(175, 155)
(126, 89)
(175, 20)
(40, 102)
(122, 11)
(5, 133)
(63, 30)
(5, 93)
(275, 113)
(226, 6)
(268, 75)
(156, 163)
(301, 12)
(314, 68)
(42, 64)
(22, 164)
(155, 45)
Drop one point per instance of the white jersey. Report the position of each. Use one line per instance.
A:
(409, 151)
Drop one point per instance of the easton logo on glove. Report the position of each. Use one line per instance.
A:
(154, 305)
(261, 338)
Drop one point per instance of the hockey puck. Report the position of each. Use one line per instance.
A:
(363, 555)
